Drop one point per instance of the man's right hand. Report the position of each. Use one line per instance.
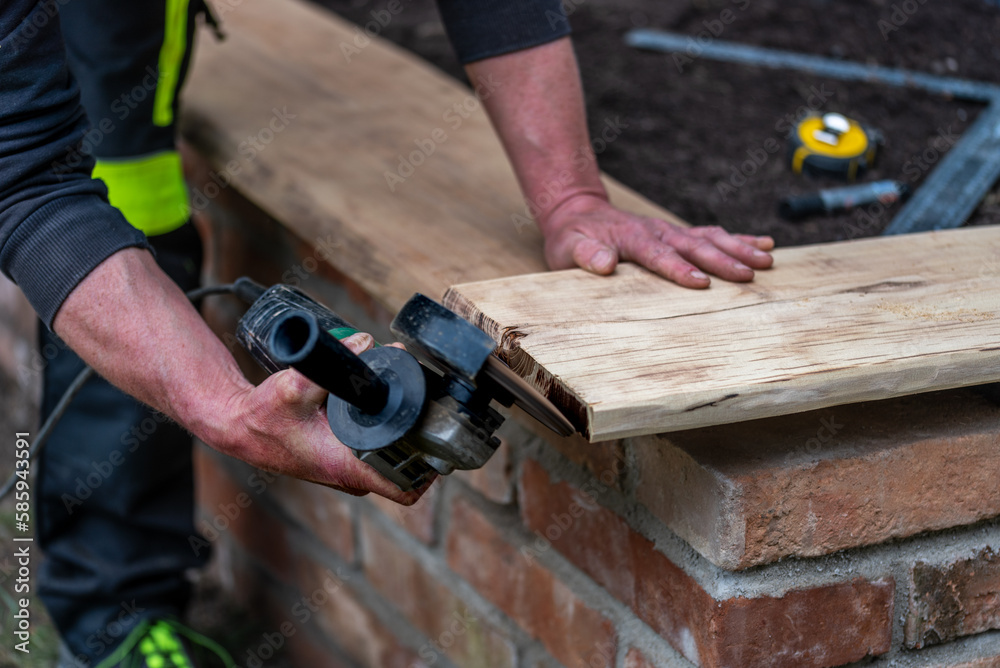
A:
(282, 427)
(138, 330)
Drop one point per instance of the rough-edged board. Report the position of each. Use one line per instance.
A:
(829, 324)
(323, 174)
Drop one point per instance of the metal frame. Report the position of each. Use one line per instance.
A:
(953, 189)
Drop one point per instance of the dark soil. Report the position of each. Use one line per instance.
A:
(691, 127)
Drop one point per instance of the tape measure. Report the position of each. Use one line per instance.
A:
(832, 145)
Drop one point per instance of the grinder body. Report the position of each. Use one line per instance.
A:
(408, 419)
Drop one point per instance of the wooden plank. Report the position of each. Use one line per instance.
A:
(348, 123)
(829, 324)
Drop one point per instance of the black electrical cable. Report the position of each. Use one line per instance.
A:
(74, 387)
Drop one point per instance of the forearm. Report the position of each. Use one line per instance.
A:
(538, 112)
(139, 331)
(130, 322)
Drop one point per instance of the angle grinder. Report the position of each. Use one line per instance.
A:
(410, 413)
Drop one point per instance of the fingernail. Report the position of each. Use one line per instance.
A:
(760, 254)
(359, 341)
(601, 259)
(739, 266)
(701, 276)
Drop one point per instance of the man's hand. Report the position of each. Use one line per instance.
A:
(138, 330)
(538, 112)
(282, 427)
(587, 231)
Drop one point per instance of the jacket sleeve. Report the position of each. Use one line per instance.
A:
(55, 221)
(481, 29)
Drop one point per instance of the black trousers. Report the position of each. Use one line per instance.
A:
(115, 489)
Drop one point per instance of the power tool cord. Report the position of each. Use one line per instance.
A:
(239, 287)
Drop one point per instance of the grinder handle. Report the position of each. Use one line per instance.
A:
(298, 341)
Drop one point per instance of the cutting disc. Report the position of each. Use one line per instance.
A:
(528, 398)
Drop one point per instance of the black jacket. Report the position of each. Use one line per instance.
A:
(55, 223)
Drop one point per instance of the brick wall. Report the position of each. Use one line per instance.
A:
(862, 533)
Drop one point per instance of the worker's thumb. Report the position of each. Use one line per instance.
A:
(595, 256)
(360, 342)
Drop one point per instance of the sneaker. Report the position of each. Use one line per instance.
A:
(165, 643)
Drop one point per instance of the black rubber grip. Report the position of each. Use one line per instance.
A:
(297, 341)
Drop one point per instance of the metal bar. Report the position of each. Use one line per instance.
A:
(661, 40)
(951, 192)
(959, 183)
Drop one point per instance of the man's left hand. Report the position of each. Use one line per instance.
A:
(588, 232)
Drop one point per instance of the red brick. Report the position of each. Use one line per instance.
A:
(751, 493)
(328, 600)
(298, 643)
(231, 511)
(495, 480)
(417, 519)
(822, 626)
(303, 650)
(553, 513)
(605, 460)
(531, 595)
(452, 628)
(236, 573)
(324, 512)
(636, 659)
(956, 599)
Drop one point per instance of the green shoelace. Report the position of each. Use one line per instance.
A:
(157, 644)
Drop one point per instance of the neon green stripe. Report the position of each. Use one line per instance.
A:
(341, 333)
(171, 57)
(149, 191)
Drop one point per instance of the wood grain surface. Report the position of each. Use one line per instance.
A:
(347, 120)
(829, 324)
